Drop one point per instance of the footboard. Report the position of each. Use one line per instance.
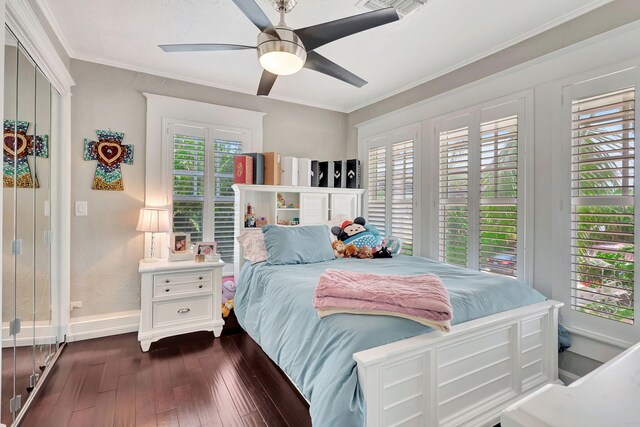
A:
(465, 377)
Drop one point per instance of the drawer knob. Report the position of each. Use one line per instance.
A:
(166, 290)
(200, 277)
(200, 286)
(167, 281)
(184, 310)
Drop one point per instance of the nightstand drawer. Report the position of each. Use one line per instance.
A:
(177, 278)
(168, 313)
(178, 289)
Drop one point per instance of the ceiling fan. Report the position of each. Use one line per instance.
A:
(283, 50)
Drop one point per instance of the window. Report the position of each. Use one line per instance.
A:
(202, 176)
(390, 192)
(602, 205)
(478, 189)
(454, 185)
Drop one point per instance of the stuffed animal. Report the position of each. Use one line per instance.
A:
(393, 244)
(227, 307)
(338, 248)
(356, 232)
(365, 252)
(228, 290)
(350, 250)
(383, 252)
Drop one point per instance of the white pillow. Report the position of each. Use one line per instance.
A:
(253, 248)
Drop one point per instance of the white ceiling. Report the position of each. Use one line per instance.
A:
(441, 36)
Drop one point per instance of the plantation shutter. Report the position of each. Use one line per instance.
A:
(454, 192)
(188, 185)
(602, 203)
(402, 194)
(499, 196)
(377, 188)
(223, 215)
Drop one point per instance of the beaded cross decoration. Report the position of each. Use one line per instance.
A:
(17, 146)
(110, 153)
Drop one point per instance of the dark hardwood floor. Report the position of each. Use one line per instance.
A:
(190, 380)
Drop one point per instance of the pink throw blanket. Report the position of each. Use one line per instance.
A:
(422, 298)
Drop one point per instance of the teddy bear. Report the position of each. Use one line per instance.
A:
(338, 248)
(350, 250)
(365, 252)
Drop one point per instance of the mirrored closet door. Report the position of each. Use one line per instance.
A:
(28, 334)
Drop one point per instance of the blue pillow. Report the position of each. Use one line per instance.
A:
(297, 245)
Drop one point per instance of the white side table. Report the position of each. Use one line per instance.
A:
(179, 297)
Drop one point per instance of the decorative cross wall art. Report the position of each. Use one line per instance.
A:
(17, 145)
(110, 153)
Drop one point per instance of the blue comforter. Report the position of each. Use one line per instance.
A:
(274, 305)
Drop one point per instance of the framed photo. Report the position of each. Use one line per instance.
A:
(206, 248)
(179, 243)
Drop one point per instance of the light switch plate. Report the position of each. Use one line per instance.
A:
(81, 209)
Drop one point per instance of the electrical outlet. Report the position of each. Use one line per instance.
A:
(76, 304)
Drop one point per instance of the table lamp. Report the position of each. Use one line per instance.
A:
(153, 220)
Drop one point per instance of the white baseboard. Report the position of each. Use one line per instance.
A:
(44, 334)
(89, 327)
(567, 377)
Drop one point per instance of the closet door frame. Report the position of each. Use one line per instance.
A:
(23, 22)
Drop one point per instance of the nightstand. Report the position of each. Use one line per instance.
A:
(179, 297)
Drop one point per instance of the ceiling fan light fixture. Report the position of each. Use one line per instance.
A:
(284, 56)
(281, 63)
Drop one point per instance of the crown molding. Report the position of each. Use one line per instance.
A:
(24, 24)
(48, 14)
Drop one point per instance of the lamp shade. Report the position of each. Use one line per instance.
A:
(154, 220)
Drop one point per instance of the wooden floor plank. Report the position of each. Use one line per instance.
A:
(266, 406)
(201, 395)
(125, 413)
(105, 409)
(168, 419)
(229, 409)
(82, 418)
(253, 420)
(163, 390)
(283, 393)
(111, 371)
(63, 410)
(187, 415)
(145, 396)
(89, 391)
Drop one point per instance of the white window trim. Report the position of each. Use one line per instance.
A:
(522, 104)
(412, 132)
(593, 83)
(162, 110)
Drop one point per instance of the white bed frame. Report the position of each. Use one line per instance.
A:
(463, 378)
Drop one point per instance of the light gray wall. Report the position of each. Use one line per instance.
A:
(605, 18)
(105, 246)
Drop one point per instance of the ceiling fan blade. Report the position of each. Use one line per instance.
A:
(202, 47)
(266, 83)
(251, 9)
(318, 35)
(319, 63)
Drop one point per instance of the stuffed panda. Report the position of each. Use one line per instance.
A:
(358, 233)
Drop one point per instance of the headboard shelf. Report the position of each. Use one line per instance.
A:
(312, 205)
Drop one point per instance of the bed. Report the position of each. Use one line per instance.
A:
(384, 371)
